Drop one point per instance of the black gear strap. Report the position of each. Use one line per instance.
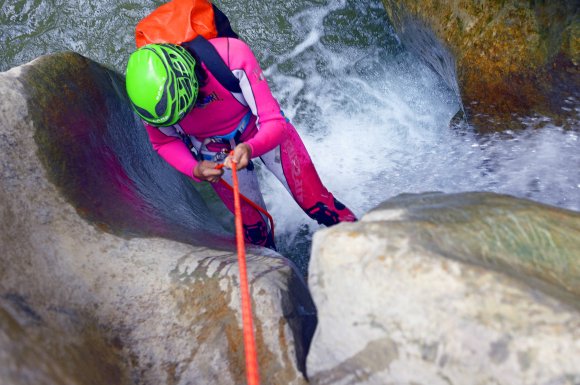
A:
(207, 53)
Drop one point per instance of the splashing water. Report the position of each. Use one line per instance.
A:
(376, 122)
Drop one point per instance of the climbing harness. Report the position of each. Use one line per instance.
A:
(199, 148)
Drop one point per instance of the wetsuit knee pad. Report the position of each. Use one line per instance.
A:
(258, 234)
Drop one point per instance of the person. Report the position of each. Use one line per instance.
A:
(194, 122)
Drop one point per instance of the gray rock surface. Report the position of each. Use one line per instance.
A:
(87, 302)
(469, 288)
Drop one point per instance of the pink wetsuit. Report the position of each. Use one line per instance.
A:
(270, 135)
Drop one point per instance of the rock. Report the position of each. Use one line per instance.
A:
(97, 282)
(55, 348)
(511, 62)
(471, 288)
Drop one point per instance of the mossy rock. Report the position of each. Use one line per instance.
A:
(514, 59)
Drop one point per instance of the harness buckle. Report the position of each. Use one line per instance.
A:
(221, 155)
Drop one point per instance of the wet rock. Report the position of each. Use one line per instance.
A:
(111, 269)
(512, 63)
(472, 288)
(59, 347)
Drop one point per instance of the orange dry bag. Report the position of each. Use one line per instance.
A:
(176, 22)
(190, 23)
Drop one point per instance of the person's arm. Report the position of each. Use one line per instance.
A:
(176, 153)
(270, 122)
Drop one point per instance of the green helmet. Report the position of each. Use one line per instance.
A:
(161, 83)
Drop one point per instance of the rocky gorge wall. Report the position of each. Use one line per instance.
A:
(512, 63)
(111, 268)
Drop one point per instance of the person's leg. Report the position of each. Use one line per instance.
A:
(256, 227)
(291, 164)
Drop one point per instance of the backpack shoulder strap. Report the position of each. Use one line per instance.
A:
(222, 23)
(213, 61)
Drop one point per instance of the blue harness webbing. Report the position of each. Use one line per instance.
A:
(199, 148)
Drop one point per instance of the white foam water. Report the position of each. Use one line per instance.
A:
(376, 123)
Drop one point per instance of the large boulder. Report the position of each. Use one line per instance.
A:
(511, 62)
(111, 269)
(471, 288)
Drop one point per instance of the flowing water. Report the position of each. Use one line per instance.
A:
(375, 119)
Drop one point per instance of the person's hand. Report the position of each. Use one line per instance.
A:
(242, 156)
(206, 170)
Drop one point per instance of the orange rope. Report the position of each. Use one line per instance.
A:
(252, 373)
(254, 205)
(248, 200)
